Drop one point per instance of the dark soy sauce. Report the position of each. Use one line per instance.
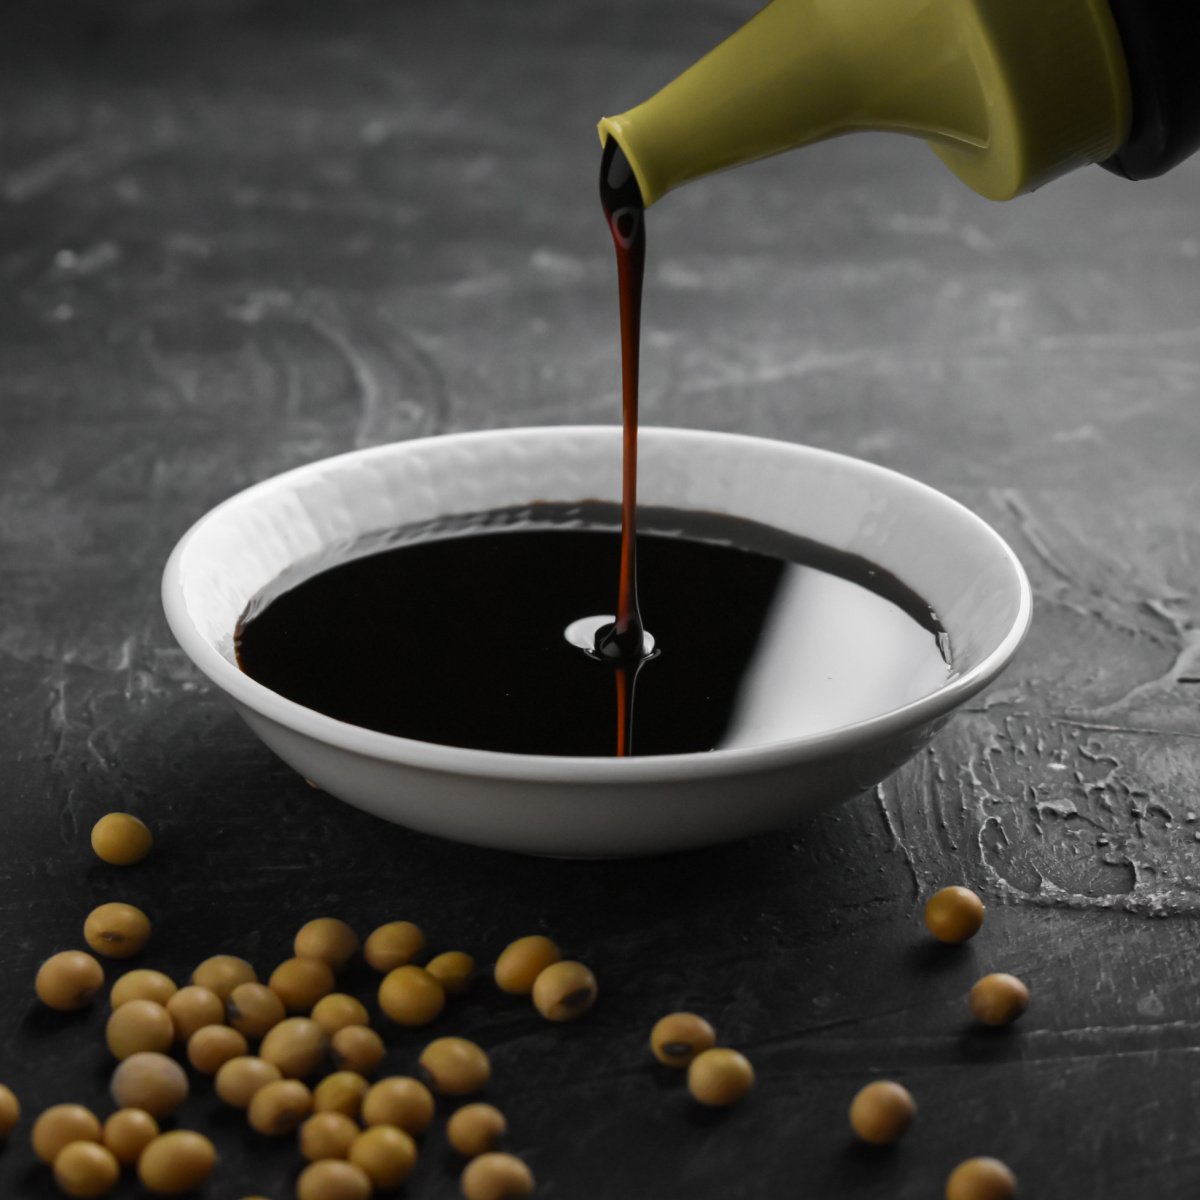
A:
(453, 633)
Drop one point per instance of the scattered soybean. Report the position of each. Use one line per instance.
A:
(121, 839)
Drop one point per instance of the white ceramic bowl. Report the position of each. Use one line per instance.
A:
(596, 807)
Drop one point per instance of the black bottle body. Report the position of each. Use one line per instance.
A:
(1161, 40)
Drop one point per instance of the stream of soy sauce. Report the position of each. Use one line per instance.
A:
(626, 215)
(622, 642)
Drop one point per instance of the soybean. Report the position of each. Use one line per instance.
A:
(296, 1046)
(393, 945)
(399, 1100)
(10, 1111)
(117, 930)
(678, 1037)
(337, 1011)
(998, 999)
(455, 1066)
(329, 939)
(454, 970)
(150, 1081)
(981, 1179)
(222, 973)
(411, 996)
(211, 1047)
(301, 982)
(475, 1129)
(341, 1092)
(881, 1112)
(69, 980)
(192, 1008)
(86, 1170)
(720, 1077)
(333, 1180)
(357, 1048)
(240, 1078)
(522, 961)
(176, 1162)
(142, 984)
(385, 1154)
(954, 915)
(279, 1107)
(253, 1009)
(60, 1125)
(121, 839)
(564, 991)
(138, 1025)
(496, 1176)
(327, 1135)
(128, 1132)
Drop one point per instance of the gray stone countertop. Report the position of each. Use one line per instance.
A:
(236, 236)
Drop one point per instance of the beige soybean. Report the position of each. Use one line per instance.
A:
(341, 1092)
(138, 1025)
(222, 973)
(998, 999)
(881, 1112)
(678, 1037)
(142, 984)
(121, 839)
(192, 1008)
(357, 1048)
(296, 1046)
(327, 1135)
(86, 1170)
(393, 945)
(954, 914)
(455, 1066)
(176, 1162)
(301, 982)
(385, 1154)
(240, 1078)
(981, 1179)
(475, 1129)
(253, 1009)
(128, 1132)
(331, 1179)
(60, 1125)
(337, 1011)
(399, 1100)
(279, 1107)
(327, 938)
(496, 1176)
(564, 991)
(454, 970)
(68, 980)
(117, 930)
(720, 1077)
(522, 961)
(149, 1081)
(211, 1047)
(10, 1111)
(411, 996)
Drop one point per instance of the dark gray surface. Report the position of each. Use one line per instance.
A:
(235, 237)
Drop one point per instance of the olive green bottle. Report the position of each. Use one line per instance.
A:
(1009, 93)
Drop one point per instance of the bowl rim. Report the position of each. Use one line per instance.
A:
(540, 768)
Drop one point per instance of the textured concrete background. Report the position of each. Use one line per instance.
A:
(237, 236)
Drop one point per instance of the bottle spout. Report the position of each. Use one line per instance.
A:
(1009, 93)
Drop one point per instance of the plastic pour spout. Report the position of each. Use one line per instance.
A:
(1009, 93)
